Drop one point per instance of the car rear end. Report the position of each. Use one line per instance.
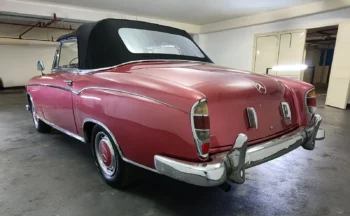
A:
(243, 124)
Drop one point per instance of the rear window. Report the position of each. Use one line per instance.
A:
(140, 41)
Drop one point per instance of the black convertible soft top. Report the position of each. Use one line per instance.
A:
(100, 45)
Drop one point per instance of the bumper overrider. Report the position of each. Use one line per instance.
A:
(231, 165)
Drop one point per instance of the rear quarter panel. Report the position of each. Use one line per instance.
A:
(141, 126)
(298, 90)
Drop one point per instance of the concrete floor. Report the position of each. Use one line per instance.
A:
(54, 174)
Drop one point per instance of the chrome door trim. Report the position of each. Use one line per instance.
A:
(54, 86)
(63, 130)
(117, 145)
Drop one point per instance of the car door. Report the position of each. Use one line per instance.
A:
(58, 91)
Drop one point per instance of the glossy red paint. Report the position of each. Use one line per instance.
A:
(147, 105)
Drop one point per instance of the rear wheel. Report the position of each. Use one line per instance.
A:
(39, 125)
(113, 169)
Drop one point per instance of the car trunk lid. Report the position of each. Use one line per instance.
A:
(229, 94)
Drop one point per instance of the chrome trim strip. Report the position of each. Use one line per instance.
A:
(117, 145)
(200, 115)
(53, 86)
(63, 130)
(131, 93)
(139, 61)
(109, 89)
(65, 70)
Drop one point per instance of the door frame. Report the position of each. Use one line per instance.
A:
(278, 35)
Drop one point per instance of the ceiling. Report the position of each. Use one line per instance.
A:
(324, 36)
(188, 11)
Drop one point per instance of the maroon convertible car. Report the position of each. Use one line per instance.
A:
(146, 95)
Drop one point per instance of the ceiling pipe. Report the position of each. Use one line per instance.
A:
(36, 25)
(28, 39)
(29, 25)
(37, 17)
(39, 24)
(52, 21)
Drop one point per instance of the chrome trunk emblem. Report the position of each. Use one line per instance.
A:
(261, 87)
(286, 111)
(252, 118)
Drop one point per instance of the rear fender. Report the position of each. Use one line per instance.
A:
(298, 90)
(142, 127)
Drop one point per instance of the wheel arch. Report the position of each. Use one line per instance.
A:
(89, 123)
(30, 100)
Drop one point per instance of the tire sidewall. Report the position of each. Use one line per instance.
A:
(32, 109)
(116, 176)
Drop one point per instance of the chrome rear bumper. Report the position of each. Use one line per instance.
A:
(232, 165)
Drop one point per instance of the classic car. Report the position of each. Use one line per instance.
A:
(146, 95)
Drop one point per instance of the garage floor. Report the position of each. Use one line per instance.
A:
(55, 175)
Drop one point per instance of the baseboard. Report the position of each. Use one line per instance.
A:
(12, 88)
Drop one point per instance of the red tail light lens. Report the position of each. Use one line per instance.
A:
(201, 122)
(205, 148)
(311, 101)
(201, 127)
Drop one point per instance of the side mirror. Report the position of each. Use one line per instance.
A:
(40, 67)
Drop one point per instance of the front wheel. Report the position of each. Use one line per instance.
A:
(113, 169)
(39, 125)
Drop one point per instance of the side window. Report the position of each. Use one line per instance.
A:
(68, 55)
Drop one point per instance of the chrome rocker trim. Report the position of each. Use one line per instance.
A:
(231, 165)
(63, 130)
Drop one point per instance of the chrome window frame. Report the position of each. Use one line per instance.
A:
(57, 56)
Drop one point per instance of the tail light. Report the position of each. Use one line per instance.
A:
(311, 101)
(201, 127)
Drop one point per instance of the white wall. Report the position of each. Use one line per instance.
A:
(234, 48)
(69, 12)
(18, 60)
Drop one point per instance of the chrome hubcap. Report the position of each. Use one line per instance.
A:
(105, 154)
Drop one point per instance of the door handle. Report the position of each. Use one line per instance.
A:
(68, 82)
